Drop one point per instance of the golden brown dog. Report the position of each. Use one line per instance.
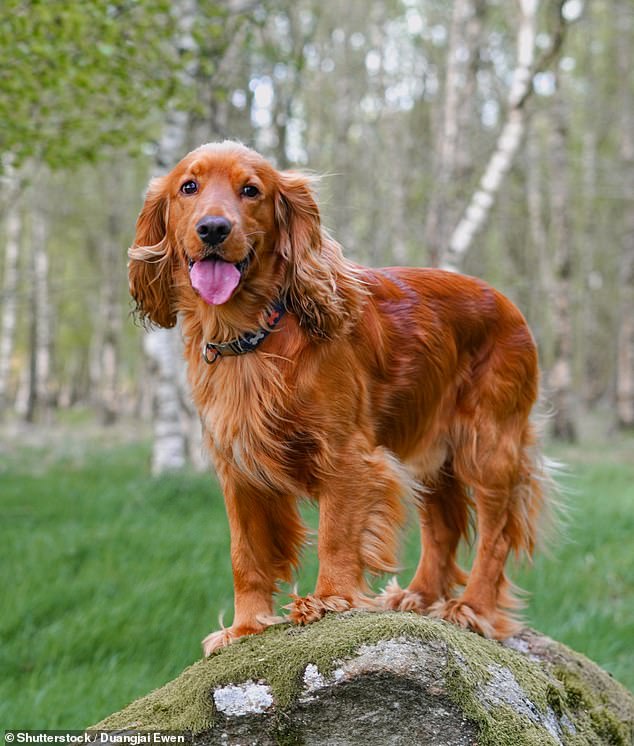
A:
(316, 377)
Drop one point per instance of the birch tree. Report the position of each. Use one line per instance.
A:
(163, 347)
(475, 215)
(8, 319)
(39, 393)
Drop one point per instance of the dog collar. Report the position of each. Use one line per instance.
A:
(249, 341)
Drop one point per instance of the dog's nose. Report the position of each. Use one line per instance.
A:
(213, 229)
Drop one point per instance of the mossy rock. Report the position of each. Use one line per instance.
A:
(397, 678)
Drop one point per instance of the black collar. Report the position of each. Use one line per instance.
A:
(249, 341)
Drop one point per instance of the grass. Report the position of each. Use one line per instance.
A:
(113, 577)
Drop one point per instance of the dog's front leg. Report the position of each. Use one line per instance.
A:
(340, 583)
(266, 533)
(360, 513)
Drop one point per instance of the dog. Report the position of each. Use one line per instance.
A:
(362, 389)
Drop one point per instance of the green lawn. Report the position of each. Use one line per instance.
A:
(112, 578)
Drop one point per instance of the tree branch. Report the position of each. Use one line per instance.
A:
(475, 215)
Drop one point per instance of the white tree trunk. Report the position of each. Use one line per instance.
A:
(39, 394)
(13, 231)
(43, 337)
(172, 431)
(476, 213)
(164, 351)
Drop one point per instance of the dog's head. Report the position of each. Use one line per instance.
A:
(225, 229)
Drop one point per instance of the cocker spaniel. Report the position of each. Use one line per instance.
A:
(358, 388)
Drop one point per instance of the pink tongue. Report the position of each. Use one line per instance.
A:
(214, 280)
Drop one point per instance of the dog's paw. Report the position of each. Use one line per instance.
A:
(496, 626)
(227, 635)
(219, 639)
(307, 609)
(458, 612)
(395, 598)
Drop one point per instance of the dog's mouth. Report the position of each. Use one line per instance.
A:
(215, 280)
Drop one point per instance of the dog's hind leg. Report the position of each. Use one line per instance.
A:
(361, 511)
(444, 520)
(508, 497)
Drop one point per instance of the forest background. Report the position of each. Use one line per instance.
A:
(490, 137)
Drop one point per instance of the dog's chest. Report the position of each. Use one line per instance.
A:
(245, 412)
(238, 429)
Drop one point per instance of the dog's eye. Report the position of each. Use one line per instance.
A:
(189, 187)
(249, 191)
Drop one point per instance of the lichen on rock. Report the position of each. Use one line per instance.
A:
(243, 699)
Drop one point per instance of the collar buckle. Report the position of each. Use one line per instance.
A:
(247, 343)
(211, 353)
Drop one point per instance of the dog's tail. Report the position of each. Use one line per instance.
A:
(538, 496)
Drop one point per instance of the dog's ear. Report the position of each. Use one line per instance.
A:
(151, 259)
(310, 283)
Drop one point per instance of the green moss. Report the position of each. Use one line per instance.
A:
(608, 728)
(575, 693)
(500, 725)
(280, 655)
(592, 706)
(554, 698)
